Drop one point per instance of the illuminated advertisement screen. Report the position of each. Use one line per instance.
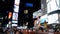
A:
(14, 21)
(14, 24)
(16, 5)
(16, 8)
(15, 16)
(53, 18)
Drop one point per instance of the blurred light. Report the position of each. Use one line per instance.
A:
(16, 5)
(27, 23)
(6, 17)
(53, 18)
(52, 6)
(10, 15)
(14, 21)
(37, 13)
(42, 6)
(14, 24)
(25, 11)
(1, 18)
(17, 1)
(43, 18)
(15, 16)
(16, 8)
(7, 25)
(9, 22)
(29, 4)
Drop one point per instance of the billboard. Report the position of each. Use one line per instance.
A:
(16, 8)
(14, 24)
(14, 21)
(53, 18)
(15, 16)
(52, 5)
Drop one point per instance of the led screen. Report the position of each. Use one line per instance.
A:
(15, 16)
(16, 8)
(14, 21)
(14, 24)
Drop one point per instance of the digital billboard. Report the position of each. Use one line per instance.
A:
(14, 24)
(15, 16)
(14, 21)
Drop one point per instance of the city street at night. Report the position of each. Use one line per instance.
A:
(29, 16)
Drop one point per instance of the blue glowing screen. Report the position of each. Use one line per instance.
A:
(29, 4)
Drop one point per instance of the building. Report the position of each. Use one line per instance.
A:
(53, 10)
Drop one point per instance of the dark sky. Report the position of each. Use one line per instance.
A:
(36, 4)
(8, 5)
